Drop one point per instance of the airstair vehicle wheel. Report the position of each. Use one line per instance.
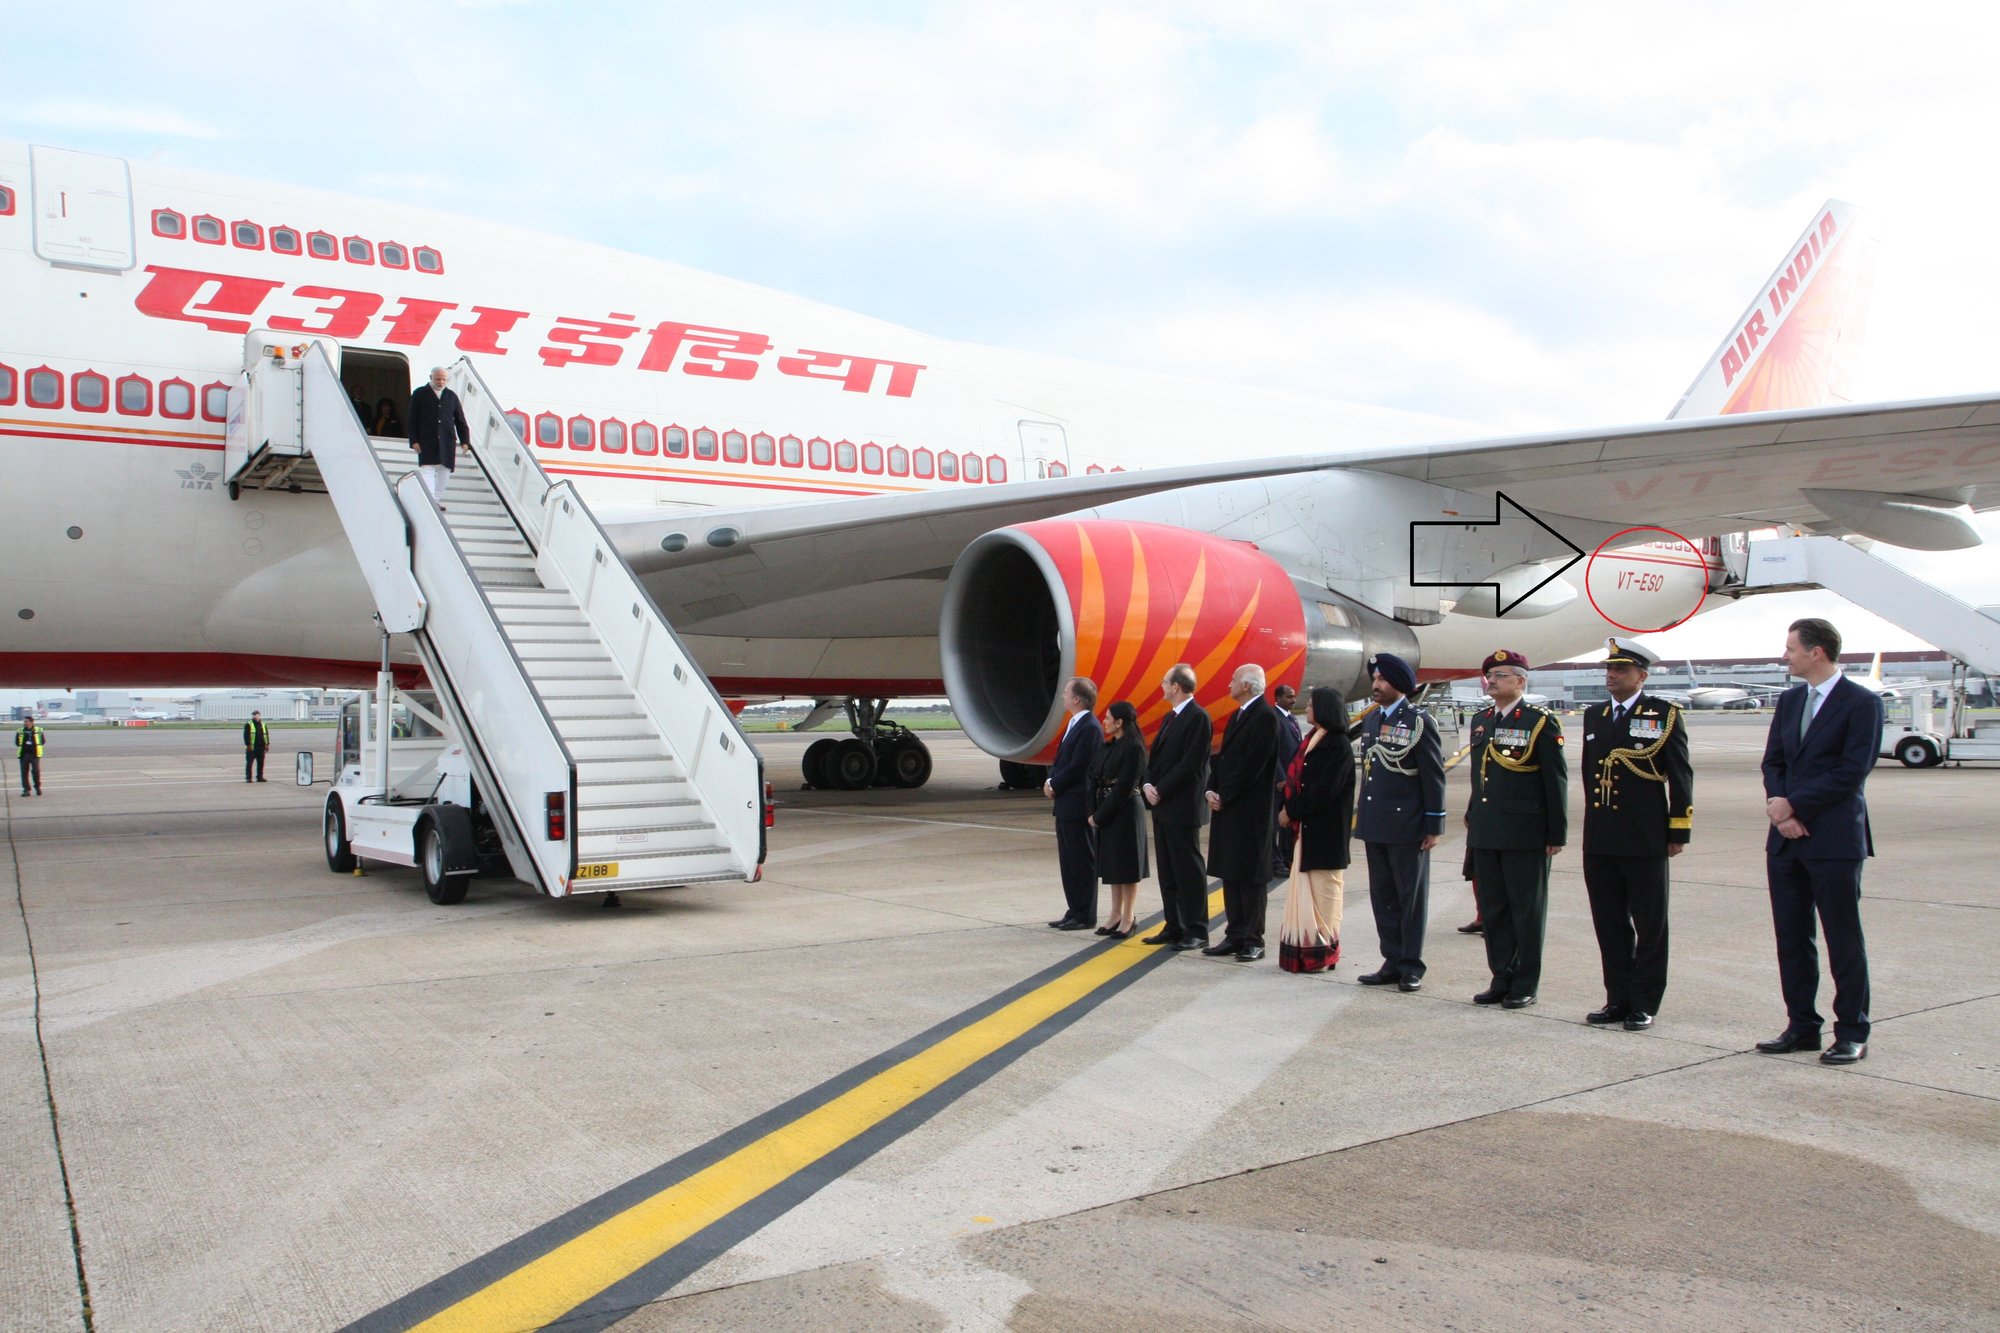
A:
(813, 766)
(851, 764)
(339, 854)
(909, 763)
(1917, 753)
(442, 889)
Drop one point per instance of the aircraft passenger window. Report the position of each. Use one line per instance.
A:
(247, 235)
(215, 402)
(429, 260)
(519, 421)
(843, 457)
(922, 463)
(44, 389)
(548, 430)
(1058, 470)
(7, 384)
(871, 458)
(677, 442)
(168, 223)
(208, 230)
(90, 392)
(1093, 471)
(135, 395)
(763, 449)
(734, 447)
(177, 399)
(321, 245)
(704, 443)
(645, 438)
(947, 467)
(285, 241)
(996, 468)
(6, 201)
(973, 469)
(582, 433)
(614, 437)
(791, 451)
(360, 251)
(394, 255)
(899, 461)
(820, 454)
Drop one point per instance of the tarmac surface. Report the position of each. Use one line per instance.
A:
(240, 1092)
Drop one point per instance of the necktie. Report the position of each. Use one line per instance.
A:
(1812, 707)
(1618, 713)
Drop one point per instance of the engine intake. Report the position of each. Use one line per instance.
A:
(1028, 607)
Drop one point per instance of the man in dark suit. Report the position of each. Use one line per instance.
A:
(1178, 765)
(1823, 741)
(1240, 784)
(1290, 738)
(1069, 786)
(437, 427)
(1638, 813)
(1400, 817)
(1516, 821)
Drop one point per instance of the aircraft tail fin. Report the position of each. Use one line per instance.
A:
(1796, 344)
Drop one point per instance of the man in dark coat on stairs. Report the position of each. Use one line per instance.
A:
(1240, 832)
(437, 427)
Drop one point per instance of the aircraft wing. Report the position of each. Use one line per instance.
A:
(1695, 477)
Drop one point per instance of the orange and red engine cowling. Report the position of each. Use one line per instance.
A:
(1030, 606)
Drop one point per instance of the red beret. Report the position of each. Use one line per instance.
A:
(1505, 657)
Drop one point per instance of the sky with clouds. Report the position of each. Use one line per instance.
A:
(1532, 216)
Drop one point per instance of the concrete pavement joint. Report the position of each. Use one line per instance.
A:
(48, 1082)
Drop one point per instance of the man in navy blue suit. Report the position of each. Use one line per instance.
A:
(1069, 785)
(1824, 738)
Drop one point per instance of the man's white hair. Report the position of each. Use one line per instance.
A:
(1252, 673)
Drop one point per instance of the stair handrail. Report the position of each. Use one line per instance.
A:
(515, 736)
(514, 472)
(575, 551)
(376, 525)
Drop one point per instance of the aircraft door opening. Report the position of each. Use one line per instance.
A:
(379, 385)
(83, 209)
(1045, 448)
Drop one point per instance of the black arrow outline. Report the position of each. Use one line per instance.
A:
(1500, 498)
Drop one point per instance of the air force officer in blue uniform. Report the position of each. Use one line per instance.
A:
(1399, 819)
(1824, 738)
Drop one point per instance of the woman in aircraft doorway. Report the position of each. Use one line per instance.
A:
(1116, 775)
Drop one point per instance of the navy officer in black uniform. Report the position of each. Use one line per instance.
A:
(1517, 820)
(1399, 819)
(1639, 811)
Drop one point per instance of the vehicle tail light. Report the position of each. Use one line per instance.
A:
(558, 816)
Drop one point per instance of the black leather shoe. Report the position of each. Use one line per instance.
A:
(1610, 1013)
(1472, 928)
(1491, 995)
(1379, 977)
(1059, 924)
(1190, 942)
(1219, 950)
(1638, 1021)
(1161, 938)
(1787, 1042)
(1249, 953)
(1102, 930)
(1410, 985)
(1517, 1002)
(1072, 925)
(1844, 1053)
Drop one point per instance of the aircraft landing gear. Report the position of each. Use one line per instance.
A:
(880, 753)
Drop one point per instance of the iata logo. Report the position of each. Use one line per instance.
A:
(195, 477)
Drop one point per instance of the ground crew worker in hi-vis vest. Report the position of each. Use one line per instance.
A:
(256, 740)
(28, 745)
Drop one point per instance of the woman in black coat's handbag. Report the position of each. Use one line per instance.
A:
(1319, 802)
(1116, 775)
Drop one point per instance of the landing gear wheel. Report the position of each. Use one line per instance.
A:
(340, 857)
(442, 889)
(908, 762)
(813, 766)
(851, 765)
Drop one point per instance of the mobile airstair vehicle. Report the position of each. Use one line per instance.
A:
(567, 736)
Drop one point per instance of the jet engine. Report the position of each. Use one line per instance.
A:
(1030, 606)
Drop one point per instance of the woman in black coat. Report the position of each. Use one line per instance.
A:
(1319, 802)
(1116, 775)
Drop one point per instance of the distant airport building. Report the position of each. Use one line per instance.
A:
(237, 705)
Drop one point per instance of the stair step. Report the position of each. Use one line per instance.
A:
(593, 707)
(584, 651)
(586, 749)
(632, 792)
(616, 772)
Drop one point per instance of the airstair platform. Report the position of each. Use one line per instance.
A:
(603, 756)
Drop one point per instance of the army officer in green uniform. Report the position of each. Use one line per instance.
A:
(1518, 819)
(1638, 811)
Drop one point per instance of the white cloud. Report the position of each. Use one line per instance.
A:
(86, 115)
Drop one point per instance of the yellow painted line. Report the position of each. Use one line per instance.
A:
(549, 1287)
